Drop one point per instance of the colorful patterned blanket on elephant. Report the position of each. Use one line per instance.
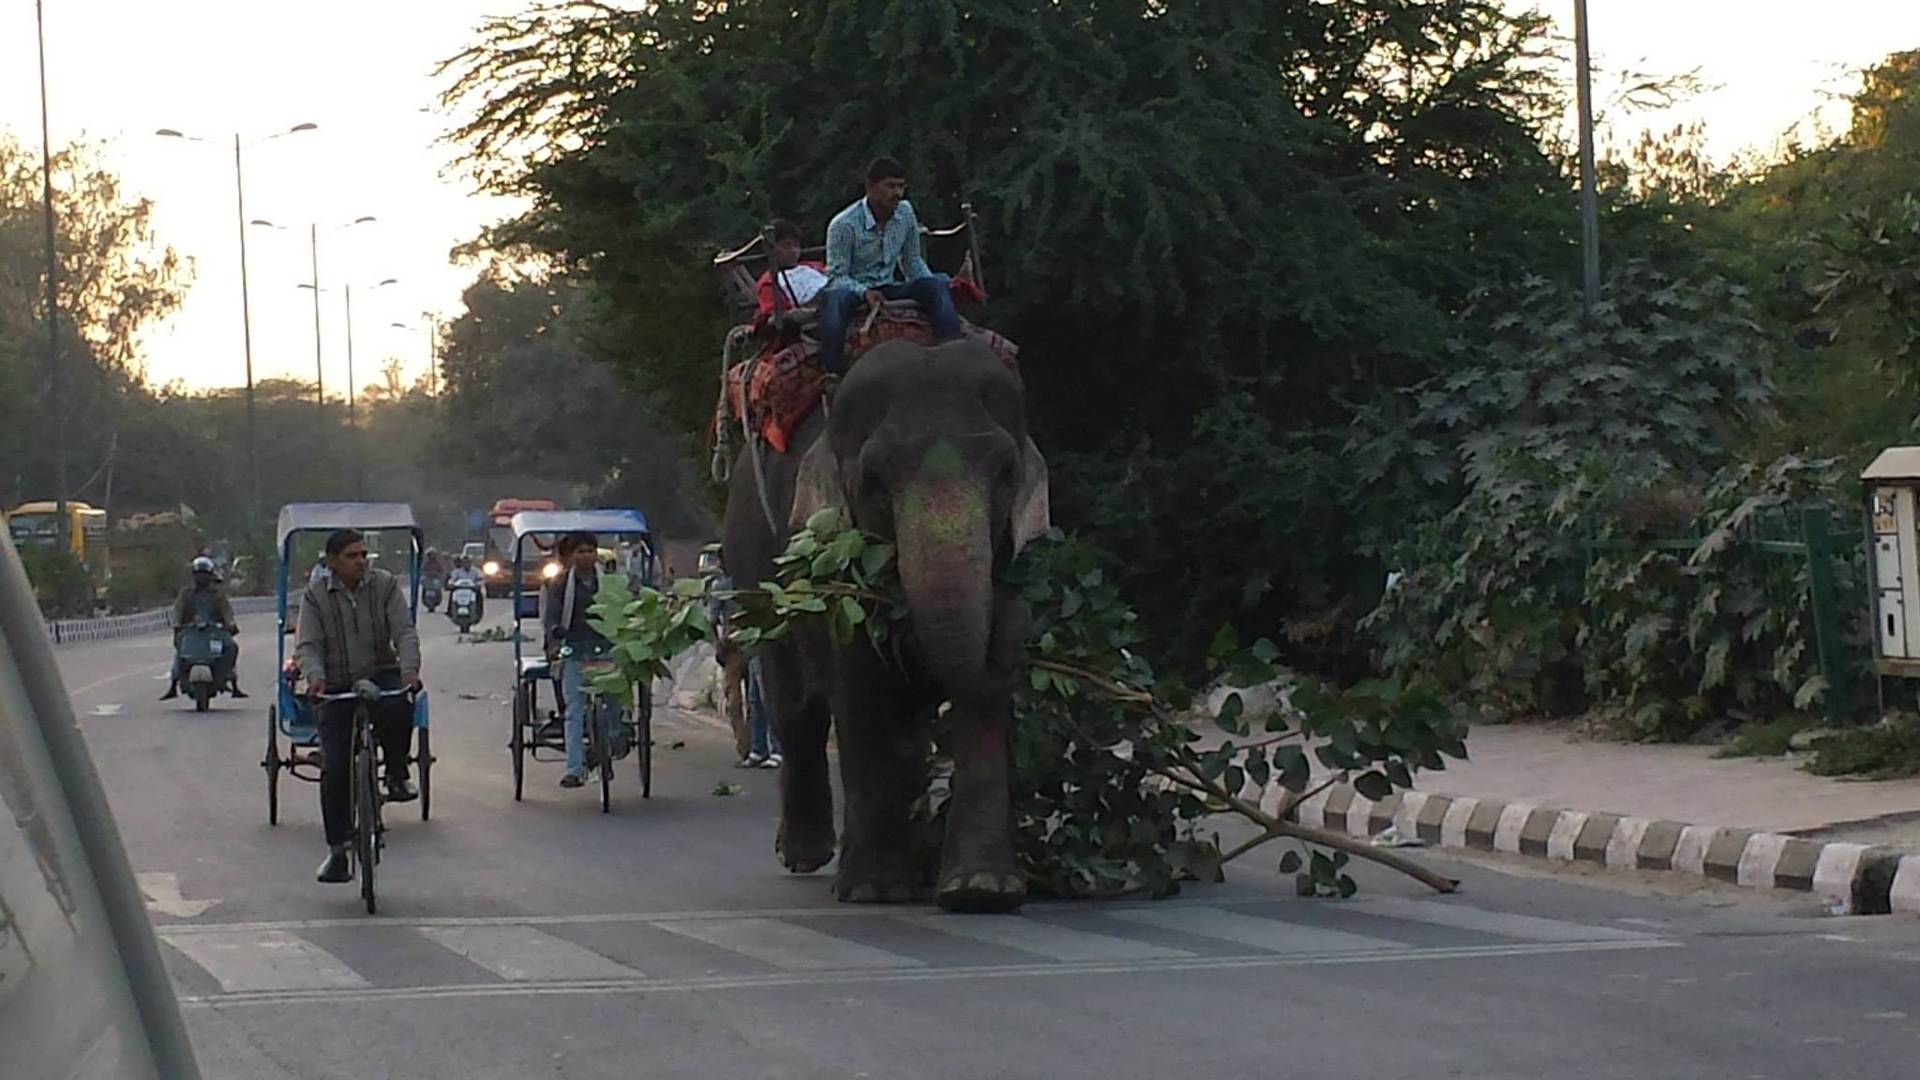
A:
(782, 385)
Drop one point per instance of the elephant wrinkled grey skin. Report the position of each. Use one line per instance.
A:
(927, 447)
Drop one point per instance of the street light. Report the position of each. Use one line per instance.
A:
(313, 254)
(433, 352)
(1589, 201)
(246, 314)
(62, 527)
(353, 430)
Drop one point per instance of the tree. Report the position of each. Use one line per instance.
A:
(115, 279)
(1212, 227)
(524, 398)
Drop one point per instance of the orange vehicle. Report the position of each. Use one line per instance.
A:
(498, 565)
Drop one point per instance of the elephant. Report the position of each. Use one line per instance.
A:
(925, 446)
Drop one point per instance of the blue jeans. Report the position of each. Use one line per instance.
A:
(765, 742)
(838, 305)
(573, 686)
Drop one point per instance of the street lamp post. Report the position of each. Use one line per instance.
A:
(313, 256)
(1589, 201)
(353, 429)
(246, 312)
(433, 352)
(54, 395)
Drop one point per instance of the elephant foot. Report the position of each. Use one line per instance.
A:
(878, 889)
(804, 849)
(982, 892)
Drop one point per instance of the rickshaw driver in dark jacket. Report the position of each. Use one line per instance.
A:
(355, 624)
(564, 617)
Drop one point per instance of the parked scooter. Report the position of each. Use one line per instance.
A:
(204, 656)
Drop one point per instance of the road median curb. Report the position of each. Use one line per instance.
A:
(1861, 878)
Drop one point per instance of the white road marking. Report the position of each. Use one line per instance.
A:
(262, 962)
(104, 710)
(1043, 939)
(923, 974)
(787, 945)
(1274, 935)
(1501, 923)
(524, 954)
(162, 892)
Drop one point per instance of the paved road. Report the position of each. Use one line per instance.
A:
(544, 939)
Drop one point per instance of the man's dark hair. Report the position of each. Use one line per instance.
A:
(574, 541)
(885, 168)
(340, 540)
(785, 230)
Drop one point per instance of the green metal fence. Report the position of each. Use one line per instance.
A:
(1802, 533)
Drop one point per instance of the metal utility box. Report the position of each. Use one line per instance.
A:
(1893, 538)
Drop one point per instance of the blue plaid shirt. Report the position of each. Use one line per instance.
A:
(862, 255)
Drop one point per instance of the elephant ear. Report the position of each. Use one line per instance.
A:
(1032, 518)
(816, 486)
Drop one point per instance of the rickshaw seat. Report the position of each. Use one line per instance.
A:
(534, 667)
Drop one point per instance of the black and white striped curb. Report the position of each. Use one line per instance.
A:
(1857, 878)
(113, 627)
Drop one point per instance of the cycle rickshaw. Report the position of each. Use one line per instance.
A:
(292, 717)
(609, 736)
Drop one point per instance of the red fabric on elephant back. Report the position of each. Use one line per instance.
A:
(783, 386)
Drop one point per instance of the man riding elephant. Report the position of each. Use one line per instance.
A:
(927, 447)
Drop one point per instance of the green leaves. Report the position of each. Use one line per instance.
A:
(1110, 787)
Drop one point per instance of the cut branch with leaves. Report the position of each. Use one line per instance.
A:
(1112, 788)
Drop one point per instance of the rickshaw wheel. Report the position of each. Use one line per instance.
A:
(271, 763)
(518, 741)
(425, 761)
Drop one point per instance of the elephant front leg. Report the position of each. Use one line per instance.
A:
(800, 720)
(883, 753)
(978, 872)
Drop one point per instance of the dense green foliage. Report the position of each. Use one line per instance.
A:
(1211, 228)
(1292, 281)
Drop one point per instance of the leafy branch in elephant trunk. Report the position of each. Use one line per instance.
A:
(1112, 788)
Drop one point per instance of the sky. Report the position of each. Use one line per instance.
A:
(120, 69)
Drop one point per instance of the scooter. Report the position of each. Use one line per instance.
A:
(431, 592)
(204, 655)
(463, 605)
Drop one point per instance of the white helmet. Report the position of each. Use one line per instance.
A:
(203, 565)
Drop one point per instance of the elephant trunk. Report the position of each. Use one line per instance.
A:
(945, 551)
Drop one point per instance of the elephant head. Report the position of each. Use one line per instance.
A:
(928, 447)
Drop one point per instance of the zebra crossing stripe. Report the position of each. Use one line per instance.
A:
(252, 961)
(1044, 939)
(1499, 923)
(787, 945)
(524, 954)
(1273, 935)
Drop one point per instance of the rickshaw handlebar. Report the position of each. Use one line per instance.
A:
(365, 691)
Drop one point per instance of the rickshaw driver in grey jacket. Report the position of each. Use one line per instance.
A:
(355, 624)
